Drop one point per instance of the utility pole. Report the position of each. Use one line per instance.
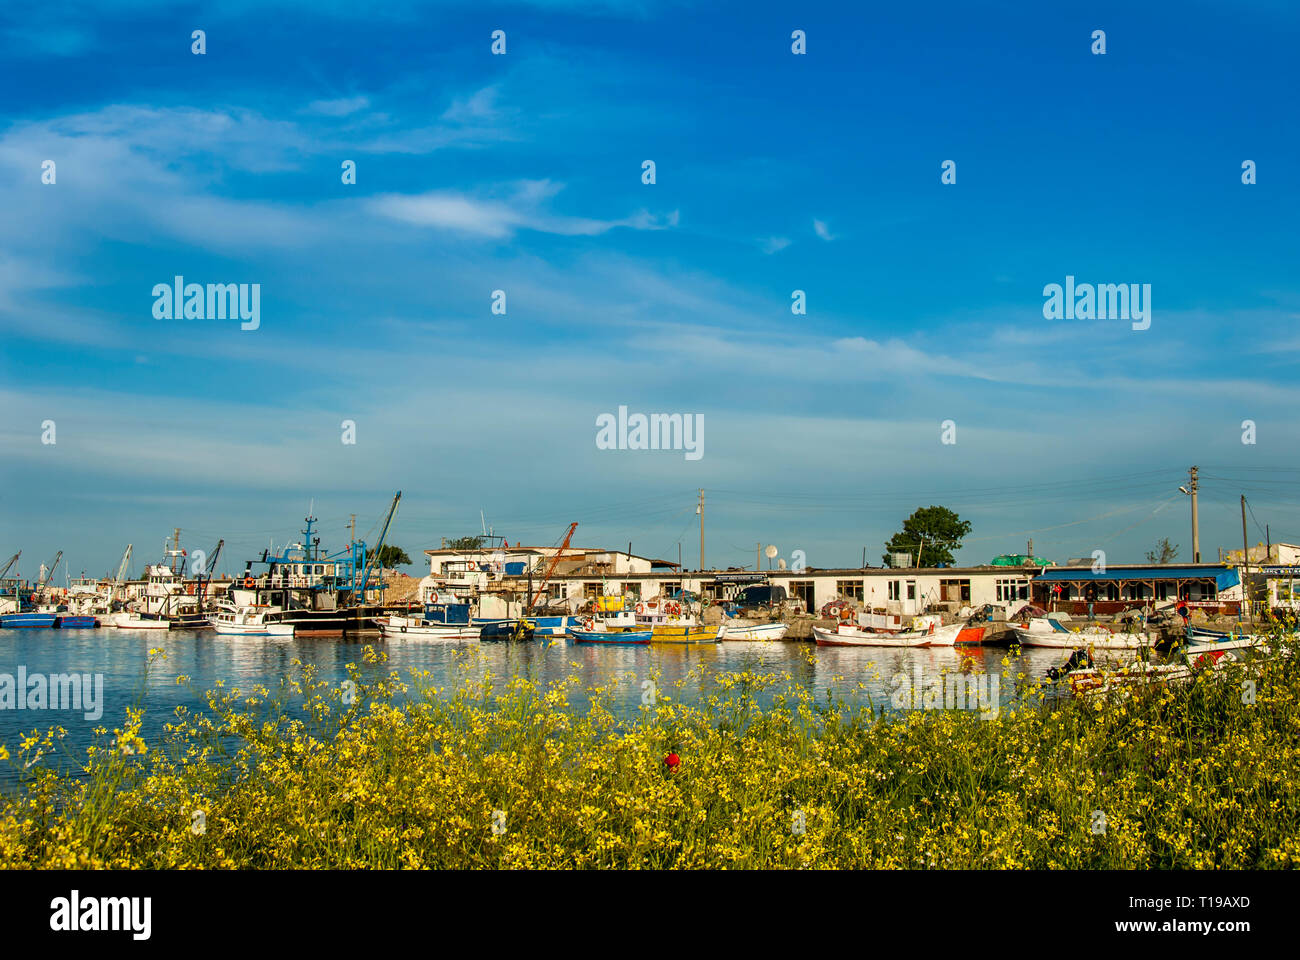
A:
(699, 508)
(1245, 560)
(758, 563)
(1193, 486)
(354, 528)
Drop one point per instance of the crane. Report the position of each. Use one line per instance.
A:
(210, 566)
(49, 571)
(121, 575)
(555, 560)
(365, 573)
(10, 563)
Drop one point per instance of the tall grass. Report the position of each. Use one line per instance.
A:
(386, 771)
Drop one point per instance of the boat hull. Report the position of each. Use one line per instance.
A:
(16, 621)
(758, 631)
(76, 621)
(853, 637)
(1077, 641)
(403, 628)
(612, 638)
(669, 634)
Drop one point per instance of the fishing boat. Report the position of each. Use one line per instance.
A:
(318, 593)
(501, 629)
(35, 619)
(621, 637)
(245, 621)
(651, 614)
(522, 631)
(1048, 632)
(1093, 681)
(411, 628)
(665, 633)
(752, 631)
(849, 636)
(75, 621)
(130, 620)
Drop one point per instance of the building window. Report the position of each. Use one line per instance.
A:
(954, 591)
(911, 589)
(803, 590)
(590, 591)
(849, 588)
(893, 588)
(1012, 590)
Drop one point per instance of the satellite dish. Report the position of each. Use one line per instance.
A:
(781, 563)
(771, 551)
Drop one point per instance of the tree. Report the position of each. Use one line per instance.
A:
(465, 543)
(390, 556)
(1166, 551)
(930, 535)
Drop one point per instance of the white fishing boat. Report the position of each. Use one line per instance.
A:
(137, 621)
(244, 621)
(847, 635)
(409, 628)
(280, 629)
(1046, 632)
(731, 630)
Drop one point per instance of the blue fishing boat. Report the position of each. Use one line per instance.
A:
(522, 630)
(18, 620)
(542, 626)
(621, 637)
(75, 621)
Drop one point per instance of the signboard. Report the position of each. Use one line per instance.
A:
(740, 578)
(1279, 571)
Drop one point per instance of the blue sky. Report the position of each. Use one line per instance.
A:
(522, 172)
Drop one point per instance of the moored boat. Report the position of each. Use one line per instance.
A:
(137, 621)
(622, 637)
(1047, 632)
(752, 631)
(409, 628)
(684, 634)
(75, 621)
(849, 636)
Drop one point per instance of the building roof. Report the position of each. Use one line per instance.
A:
(1223, 575)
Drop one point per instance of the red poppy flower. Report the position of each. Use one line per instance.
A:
(671, 761)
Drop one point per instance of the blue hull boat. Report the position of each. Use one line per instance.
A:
(75, 621)
(611, 637)
(542, 626)
(15, 620)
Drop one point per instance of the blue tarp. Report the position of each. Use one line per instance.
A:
(1223, 577)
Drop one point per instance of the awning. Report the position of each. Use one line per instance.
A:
(1223, 577)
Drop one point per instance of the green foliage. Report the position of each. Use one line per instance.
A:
(930, 535)
(465, 543)
(1164, 552)
(390, 556)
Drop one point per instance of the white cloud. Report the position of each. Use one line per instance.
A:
(822, 230)
(341, 107)
(775, 244)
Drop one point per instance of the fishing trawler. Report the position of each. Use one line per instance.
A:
(318, 594)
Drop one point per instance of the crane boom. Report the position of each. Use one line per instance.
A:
(555, 561)
(210, 566)
(12, 561)
(49, 573)
(365, 573)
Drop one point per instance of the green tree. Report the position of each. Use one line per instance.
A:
(1163, 553)
(930, 535)
(390, 556)
(465, 543)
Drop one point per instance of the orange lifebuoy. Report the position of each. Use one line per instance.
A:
(640, 608)
(249, 583)
(433, 596)
(846, 613)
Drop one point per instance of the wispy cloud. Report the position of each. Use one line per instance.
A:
(822, 230)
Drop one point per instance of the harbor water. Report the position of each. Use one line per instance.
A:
(859, 675)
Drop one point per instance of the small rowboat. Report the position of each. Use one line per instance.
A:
(406, 628)
(848, 636)
(1046, 632)
(669, 634)
(611, 637)
(756, 631)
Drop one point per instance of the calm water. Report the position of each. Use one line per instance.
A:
(242, 662)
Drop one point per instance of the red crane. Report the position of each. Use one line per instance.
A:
(550, 569)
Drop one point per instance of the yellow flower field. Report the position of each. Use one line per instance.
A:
(388, 771)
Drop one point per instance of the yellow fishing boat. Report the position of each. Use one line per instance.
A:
(669, 633)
